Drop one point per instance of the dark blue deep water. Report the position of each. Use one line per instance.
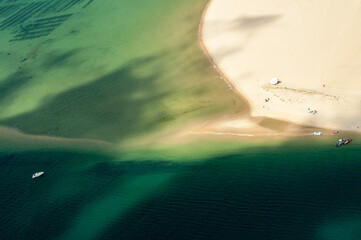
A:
(285, 192)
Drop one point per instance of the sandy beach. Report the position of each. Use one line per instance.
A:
(312, 47)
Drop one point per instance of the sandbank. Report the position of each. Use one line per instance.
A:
(313, 47)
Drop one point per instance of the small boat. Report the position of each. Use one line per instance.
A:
(340, 142)
(343, 142)
(317, 133)
(37, 174)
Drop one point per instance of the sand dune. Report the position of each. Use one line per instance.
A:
(313, 47)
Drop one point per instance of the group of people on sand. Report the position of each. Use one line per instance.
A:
(312, 111)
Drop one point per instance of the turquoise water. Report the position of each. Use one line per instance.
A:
(284, 192)
(113, 71)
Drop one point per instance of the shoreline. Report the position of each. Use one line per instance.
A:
(252, 114)
(214, 63)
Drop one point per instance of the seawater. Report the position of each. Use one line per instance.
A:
(278, 192)
(113, 71)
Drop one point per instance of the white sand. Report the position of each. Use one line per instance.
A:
(306, 44)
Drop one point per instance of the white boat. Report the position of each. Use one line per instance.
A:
(317, 133)
(37, 174)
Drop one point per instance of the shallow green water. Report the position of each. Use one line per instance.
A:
(114, 71)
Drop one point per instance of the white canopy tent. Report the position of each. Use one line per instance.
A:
(274, 81)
